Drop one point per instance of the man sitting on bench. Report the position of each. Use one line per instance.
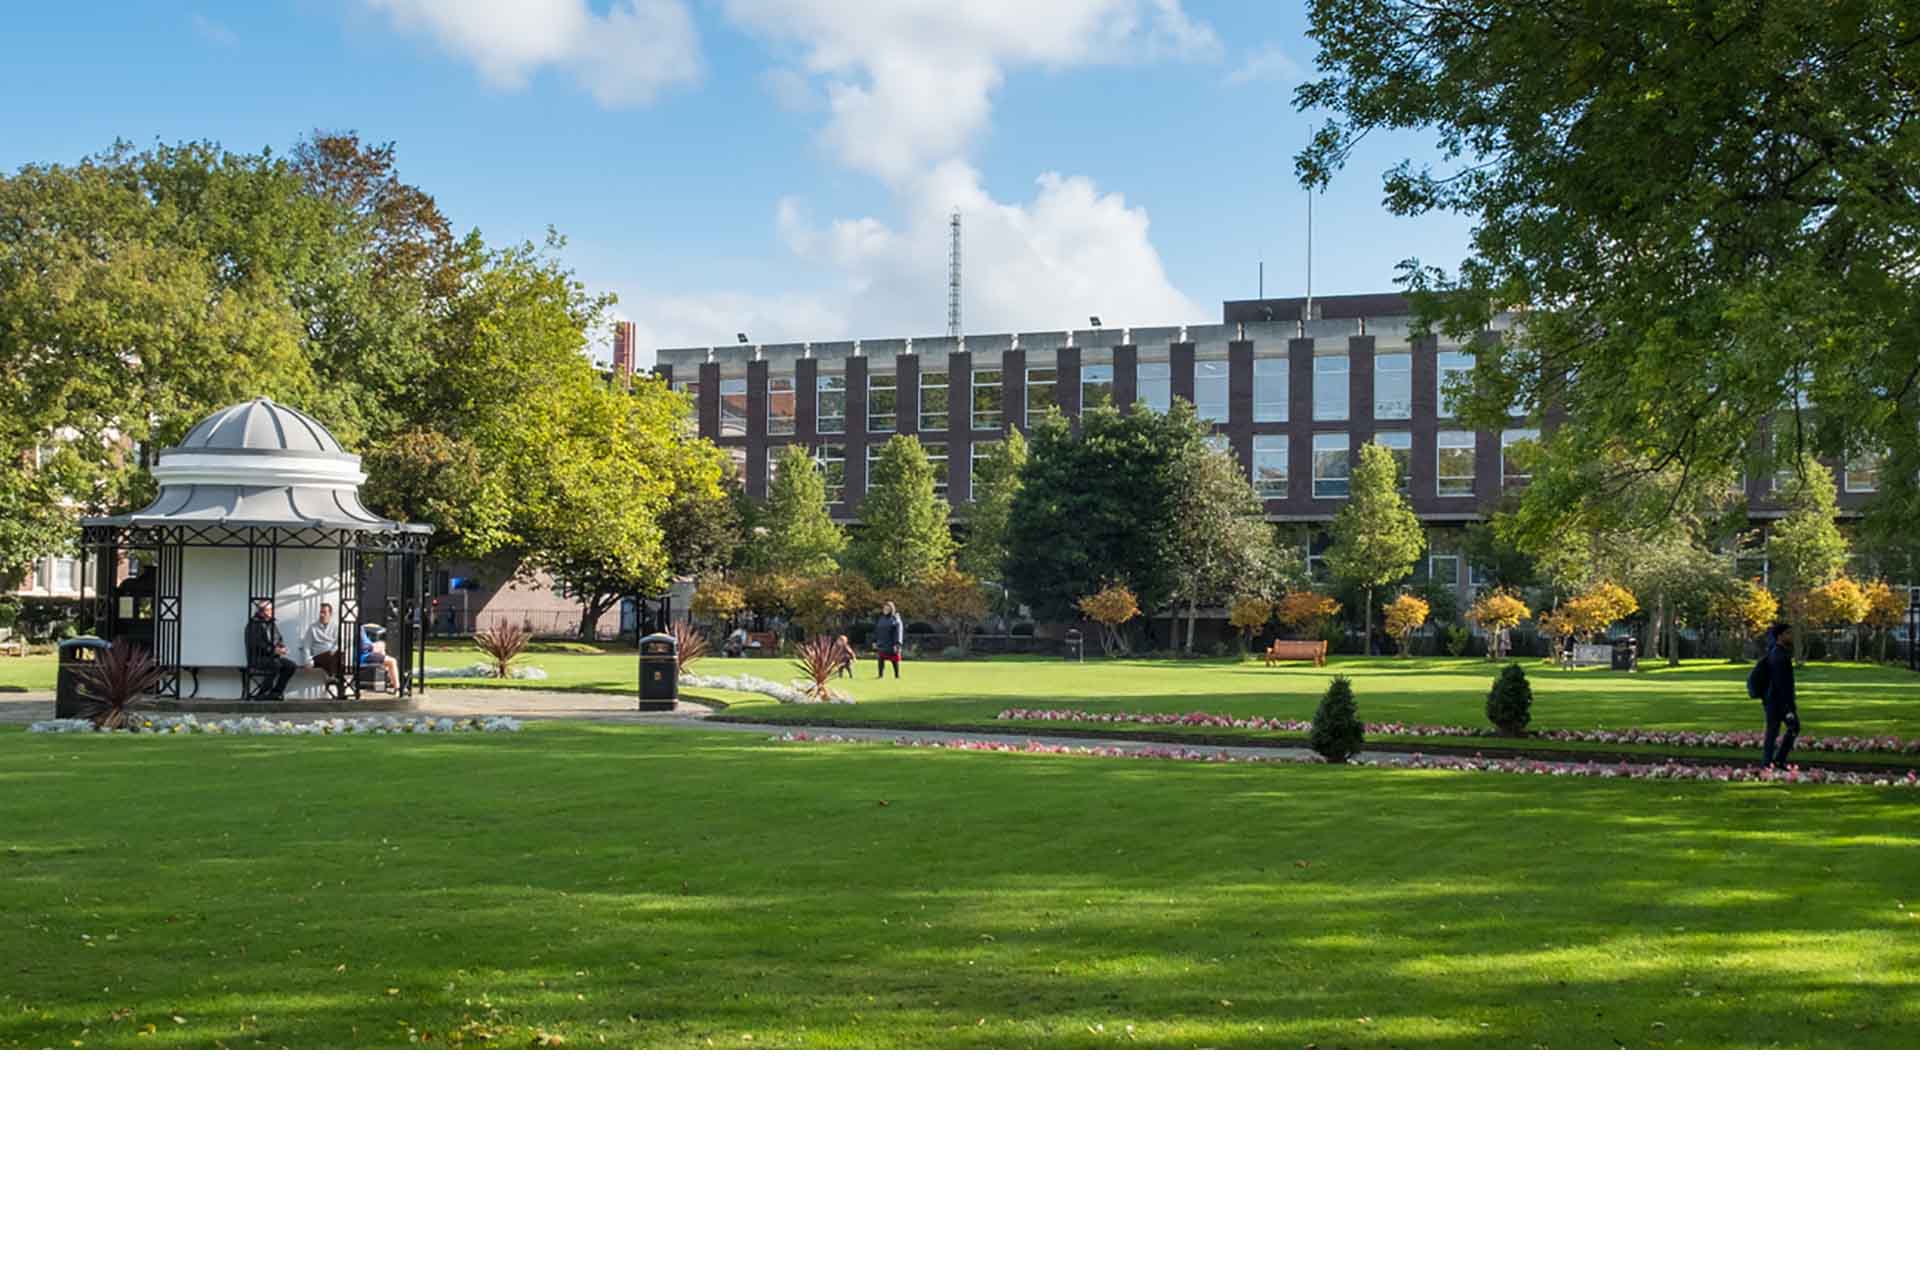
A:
(267, 653)
(322, 643)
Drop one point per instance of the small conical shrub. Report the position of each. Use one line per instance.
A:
(1510, 701)
(1337, 732)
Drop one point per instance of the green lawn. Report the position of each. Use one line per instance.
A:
(1835, 698)
(681, 888)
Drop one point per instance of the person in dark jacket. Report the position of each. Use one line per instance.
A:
(889, 637)
(266, 651)
(1783, 712)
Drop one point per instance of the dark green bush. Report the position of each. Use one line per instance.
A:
(1510, 701)
(1459, 640)
(1337, 732)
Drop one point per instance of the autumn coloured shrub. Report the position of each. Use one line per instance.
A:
(1497, 613)
(1406, 615)
(1302, 612)
(1112, 607)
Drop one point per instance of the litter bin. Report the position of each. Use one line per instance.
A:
(659, 672)
(1076, 648)
(66, 690)
(1626, 654)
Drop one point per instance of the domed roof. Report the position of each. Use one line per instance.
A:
(261, 425)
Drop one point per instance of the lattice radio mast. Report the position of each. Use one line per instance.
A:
(953, 275)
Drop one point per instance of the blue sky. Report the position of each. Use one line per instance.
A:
(779, 166)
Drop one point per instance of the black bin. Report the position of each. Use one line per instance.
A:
(1075, 646)
(1626, 654)
(66, 689)
(659, 672)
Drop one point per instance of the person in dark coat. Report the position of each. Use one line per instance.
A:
(889, 637)
(266, 651)
(1783, 712)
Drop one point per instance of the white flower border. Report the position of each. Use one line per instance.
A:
(790, 694)
(264, 727)
(482, 671)
(1666, 771)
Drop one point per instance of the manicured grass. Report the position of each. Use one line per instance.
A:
(639, 886)
(34, 673)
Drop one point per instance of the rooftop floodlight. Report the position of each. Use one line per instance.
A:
(742, 337)
(1095, 320)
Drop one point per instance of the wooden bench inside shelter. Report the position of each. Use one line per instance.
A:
(762, 644)
(1314, 651)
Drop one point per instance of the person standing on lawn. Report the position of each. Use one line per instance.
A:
(1776, 695)
(889, 637)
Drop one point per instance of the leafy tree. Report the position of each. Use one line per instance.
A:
(1687, 207)
(1376, 537)
(1248, 614)
(718, 599)
(997, 478)
(904, 536)
(1302, 612)
(1594, 611)
(1406, 615)
(1805, 548)
(801, 537)
(1221, 541)
(1497, 613)
(1112, 607)
(1840, 603)
(1746, 607)
(701, 523)
(1885, 611)
(955, 600)
(1096, 506)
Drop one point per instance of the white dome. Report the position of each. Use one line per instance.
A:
(260, 425)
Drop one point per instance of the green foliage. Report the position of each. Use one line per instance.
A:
(1337, 732)
(1097, 507)
(1687, 207)
(1459, 640)
(1222, 545)
(1510, 701)
(1377, 540)
(904, 536)
(799, 535)
(997, 478)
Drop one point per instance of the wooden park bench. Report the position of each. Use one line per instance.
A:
(1297, 651)
(762, 644)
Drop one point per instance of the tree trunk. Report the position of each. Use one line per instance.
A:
(1673, 642)
(1366, 627)
(1193, 615)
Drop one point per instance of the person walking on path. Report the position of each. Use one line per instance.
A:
(889, 636)
(1776, 695)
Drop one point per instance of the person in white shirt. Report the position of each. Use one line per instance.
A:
(321, 640)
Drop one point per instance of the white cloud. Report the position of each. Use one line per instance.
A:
(624, 57)
(910, 82)
(908, 86)
(1269, 62)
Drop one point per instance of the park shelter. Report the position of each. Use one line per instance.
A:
(258, 503)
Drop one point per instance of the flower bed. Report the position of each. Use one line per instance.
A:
(1741, 740)
(1663, 772)
(754, 684)
(262, 726)
(485, 671)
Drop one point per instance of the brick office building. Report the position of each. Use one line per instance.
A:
(1293, 397)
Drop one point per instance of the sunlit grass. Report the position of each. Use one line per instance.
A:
(652, 887)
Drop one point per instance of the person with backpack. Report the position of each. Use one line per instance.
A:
(1771, 681)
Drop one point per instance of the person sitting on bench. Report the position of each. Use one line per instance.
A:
(373, 652)
(267, 653)
(322, 641)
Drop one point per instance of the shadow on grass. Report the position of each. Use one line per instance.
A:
(670, 888)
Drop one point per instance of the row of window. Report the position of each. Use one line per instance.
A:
(1392, 393)
(1453, 464)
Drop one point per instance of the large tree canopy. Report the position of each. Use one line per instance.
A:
(140, 290)
(1694, 211)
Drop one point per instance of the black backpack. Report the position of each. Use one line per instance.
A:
(1758, 679)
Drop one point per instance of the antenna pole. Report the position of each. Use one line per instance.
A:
(1309, 314)
(953, 275)
(1263, 279)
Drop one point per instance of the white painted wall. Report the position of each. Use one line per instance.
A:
(213, 614)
